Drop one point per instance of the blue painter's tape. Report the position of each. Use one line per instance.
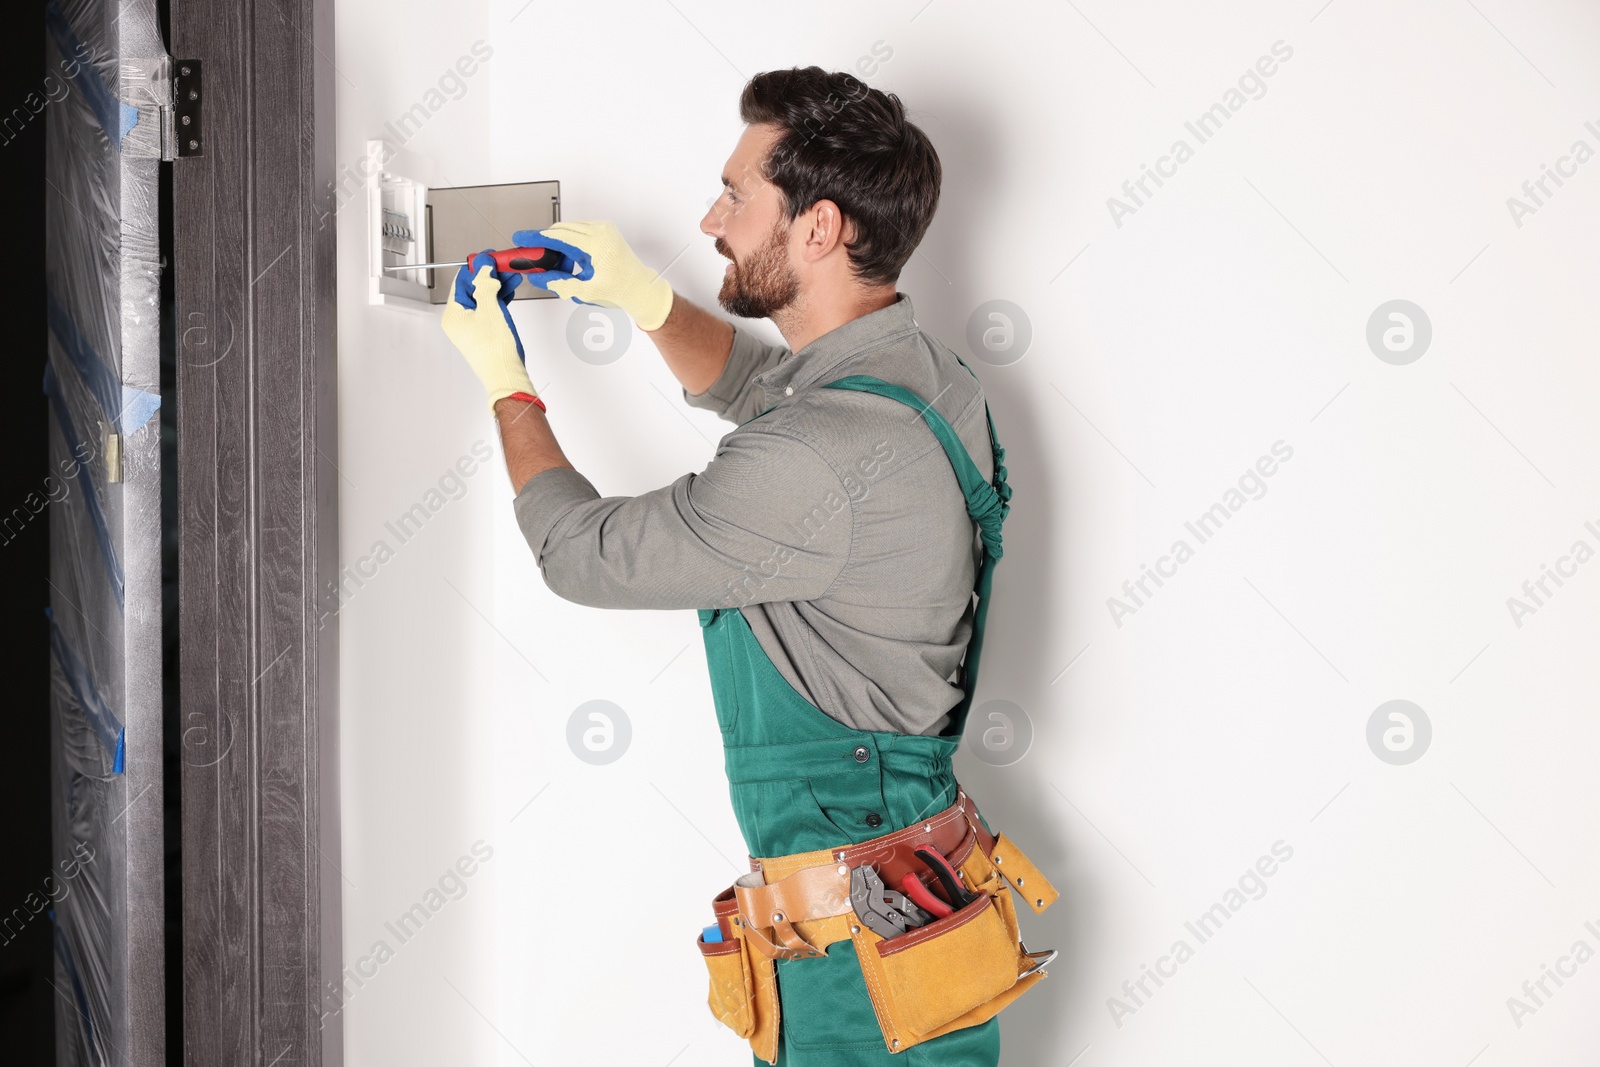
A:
(101, 101)
(128, 407)
(91, 497)
(130, 118)
(101, 718)
(137, 408)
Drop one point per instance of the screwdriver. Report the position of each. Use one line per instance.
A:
(506, 260)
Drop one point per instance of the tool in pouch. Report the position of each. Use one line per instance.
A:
(935, 958)
(891, 914)
(883, 910)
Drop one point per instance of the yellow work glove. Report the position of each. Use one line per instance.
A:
(477, 320)
(601, 269)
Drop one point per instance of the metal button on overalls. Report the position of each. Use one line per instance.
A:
(792, 792)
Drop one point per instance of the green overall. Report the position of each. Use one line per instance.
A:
(801, 780)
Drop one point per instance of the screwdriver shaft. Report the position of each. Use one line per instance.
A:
(426, 266)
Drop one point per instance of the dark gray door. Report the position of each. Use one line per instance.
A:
(103, 272)
(257, 440)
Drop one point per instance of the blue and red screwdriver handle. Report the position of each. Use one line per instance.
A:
(525, 260)
(520, 260)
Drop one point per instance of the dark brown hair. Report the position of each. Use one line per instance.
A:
(844, 141)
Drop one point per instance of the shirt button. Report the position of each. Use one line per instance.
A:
(861, 754)
(874, 819)
(788, 390)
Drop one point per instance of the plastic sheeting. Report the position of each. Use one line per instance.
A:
(106, 73)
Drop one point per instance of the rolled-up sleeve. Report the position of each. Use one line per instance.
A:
(767, 520)
(733, 395)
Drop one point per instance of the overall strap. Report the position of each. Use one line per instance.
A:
(987, 504)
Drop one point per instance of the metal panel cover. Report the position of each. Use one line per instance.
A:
(469, 218)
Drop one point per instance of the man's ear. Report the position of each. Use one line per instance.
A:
(826, 229)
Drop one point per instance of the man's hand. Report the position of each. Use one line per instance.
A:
(478, 321)
(603, 270)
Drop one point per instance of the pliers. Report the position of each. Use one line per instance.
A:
(960, 896)
(882, 910)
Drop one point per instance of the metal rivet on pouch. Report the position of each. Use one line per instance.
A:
(996, 859)
(1039, 903)
(844, 870)
(855, 929)
(895, 1042)
(1019, 881)
(777, 916)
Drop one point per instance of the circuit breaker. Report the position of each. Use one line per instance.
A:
(412, 222)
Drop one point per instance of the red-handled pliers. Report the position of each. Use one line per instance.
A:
(960, 896)
(920, 895)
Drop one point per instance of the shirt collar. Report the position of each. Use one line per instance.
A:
(802, 369)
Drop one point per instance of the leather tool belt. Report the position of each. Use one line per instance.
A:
(953, 972)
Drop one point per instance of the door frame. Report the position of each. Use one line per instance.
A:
(258, 506)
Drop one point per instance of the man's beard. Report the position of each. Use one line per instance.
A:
(764, 283)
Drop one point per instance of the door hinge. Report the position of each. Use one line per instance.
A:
(182, 131)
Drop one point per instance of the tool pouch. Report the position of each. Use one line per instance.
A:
(744, 992)
(954, 972)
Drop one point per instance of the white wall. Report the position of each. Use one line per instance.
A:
(1168, 353)
(418, 722)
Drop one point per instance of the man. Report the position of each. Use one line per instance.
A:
(830, 548)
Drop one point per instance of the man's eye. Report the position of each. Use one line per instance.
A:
(732, 197)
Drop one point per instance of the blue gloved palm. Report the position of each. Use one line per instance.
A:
(508, 286)
(600, 269)
(485, 335)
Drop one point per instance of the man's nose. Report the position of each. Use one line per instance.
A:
(711, 224)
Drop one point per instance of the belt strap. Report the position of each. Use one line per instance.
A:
(811, 893)
(806, 886)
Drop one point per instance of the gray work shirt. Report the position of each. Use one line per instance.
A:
(834, 522)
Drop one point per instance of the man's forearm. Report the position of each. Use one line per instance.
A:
(529, 444)
(695, 344)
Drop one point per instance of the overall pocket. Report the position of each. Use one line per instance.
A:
(826, 1007)
(724, 690)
